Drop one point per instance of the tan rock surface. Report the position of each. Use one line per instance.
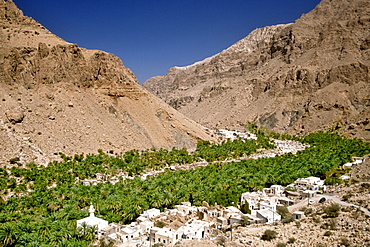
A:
(58, 97)
(295, 78)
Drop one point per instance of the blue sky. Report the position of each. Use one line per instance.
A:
(152, 36)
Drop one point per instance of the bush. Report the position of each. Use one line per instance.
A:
(327, 233)
(159, 224)
(245, 208)
(282, 210)
(332, 211)
(281, 245)
(345, 242)
(332, 225)
(221, 240)
(245, 221)
(287, 219)
(291, 240)
(269, 235)
(14, 160)
(308, 211)
(346, 197)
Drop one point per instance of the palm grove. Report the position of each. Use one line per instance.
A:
(46, 215)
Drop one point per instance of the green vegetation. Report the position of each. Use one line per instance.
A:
(281, 245)
(47, 215)
(332, 211)
(269, 235)
(159, 224)
(291, 240)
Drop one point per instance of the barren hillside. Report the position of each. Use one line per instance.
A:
(297, 78)
(58, 97)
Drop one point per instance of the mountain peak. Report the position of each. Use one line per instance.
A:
(59, 98)
(294, 78)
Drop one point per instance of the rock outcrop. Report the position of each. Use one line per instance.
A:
(57, 97)
(297, 78)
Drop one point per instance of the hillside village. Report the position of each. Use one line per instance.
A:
(187, 222)
(153, 185)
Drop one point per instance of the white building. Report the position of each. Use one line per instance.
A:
(310, 183)
(145, 226)
(151, 213)
(260, 200)
(268, 216)
(185, 208)
(162, 235)
(93, 221)
(127, 234)
(194, 229)
(276, 190)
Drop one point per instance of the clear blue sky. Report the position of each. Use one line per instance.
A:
(152, 36)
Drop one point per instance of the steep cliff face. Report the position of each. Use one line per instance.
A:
(296, 78)
(58, 97)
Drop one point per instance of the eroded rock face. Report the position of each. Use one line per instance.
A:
(297, 78)
(57, 97)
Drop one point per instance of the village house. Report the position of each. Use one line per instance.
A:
(164, 236)
(298, 215)
(185, 208)
(310, 183)
(222, 222)
(260, 200)
(268, 216)
(275, 190)
(151, 213)
(194, 229)
(127, 234)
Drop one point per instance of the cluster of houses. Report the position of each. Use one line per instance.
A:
(187, 222)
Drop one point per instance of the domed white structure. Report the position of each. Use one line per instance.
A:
(92, 221)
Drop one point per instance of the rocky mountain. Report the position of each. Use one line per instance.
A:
(57, 97)
(296, 78)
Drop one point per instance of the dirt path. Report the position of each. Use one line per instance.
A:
(332, 197)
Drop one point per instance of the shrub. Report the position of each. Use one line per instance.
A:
(282, 210)
(327, 233)
(345, 242)
(221, 240)
(332, 211)
(245, 221)
(332, 225)
(281, 245)
(158, 245)
(14, 160)
(269, 235)
(346, 197)
(298, 224)
(316, 220)
(245, 208)
(159, 224)
(291, 240)
(308, 211)
(287, 219)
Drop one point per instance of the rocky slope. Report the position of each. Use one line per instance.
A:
(297, 78)
(58, 97)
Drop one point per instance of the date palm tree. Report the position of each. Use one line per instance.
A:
(8, 235)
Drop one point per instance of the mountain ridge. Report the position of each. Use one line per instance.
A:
(56, 98)
(306, 76)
